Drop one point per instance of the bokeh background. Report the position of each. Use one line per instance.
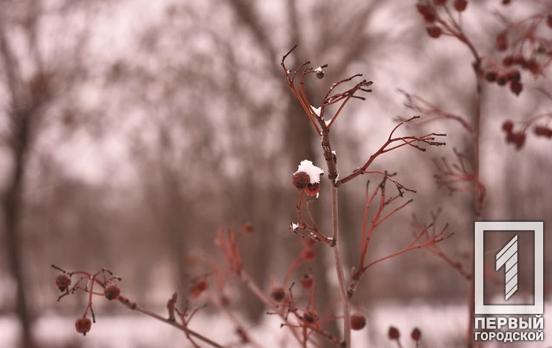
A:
(130, 131)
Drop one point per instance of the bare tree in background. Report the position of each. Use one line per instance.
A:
(30, 83)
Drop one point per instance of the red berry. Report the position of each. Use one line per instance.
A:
(434, 31)
(508, 61)
(543, 131)
(502, 41)
(427, 12)
(507, 126)
(358, 322)
(393, 333)
(533, 66)
(301, 180)
(502, 80)
(278, 294)
(460, 5)
(112, 292)
(416, 334)
(307, 281)
(198, 287)
(518, 139)
(513, 75)
(491, 76)
(63, 282)
(312, 189)
(83, 325)
(516, 87)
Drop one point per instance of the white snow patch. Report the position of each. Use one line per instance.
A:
(316, 110)
(312, 171)
(294, 226)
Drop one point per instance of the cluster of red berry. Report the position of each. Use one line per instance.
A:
(83, 324)
(429, 13)
(395, 335)
(518, 137)
(511, 77)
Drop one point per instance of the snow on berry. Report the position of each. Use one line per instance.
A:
(311, 170)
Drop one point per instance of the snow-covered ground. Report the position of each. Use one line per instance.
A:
(442, 326)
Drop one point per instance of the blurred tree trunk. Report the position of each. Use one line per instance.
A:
(22, 112)
(13, 210)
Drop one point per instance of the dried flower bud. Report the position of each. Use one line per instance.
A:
(416, 334)
(278, 294)
(112, 292)
(63, 282)
(434, 31)
(393, 333)
(358, 322)
(460, 5)
(301, 180)
(83, 325)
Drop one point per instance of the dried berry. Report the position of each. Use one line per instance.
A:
(506, 2)
(507, 126)
(63, 282)
(543, 131)
(516, 87)
(278, 294)
(434, 31)
(491, 76)
(307, 281)
(310, 317)
(549, 21)
(358, 322)
(393, 333)
(502, 80)
(517, 138)
(533, 66)
(112, 292)
(320, 74)
(198, 287)
(460, 5)
(83, 325)
(427, 12)
(312, 189)
(508, 61)
(513, 75)
(416, 334)
(301, 180)
(502, 41)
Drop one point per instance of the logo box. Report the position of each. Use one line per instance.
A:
(535, 227)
